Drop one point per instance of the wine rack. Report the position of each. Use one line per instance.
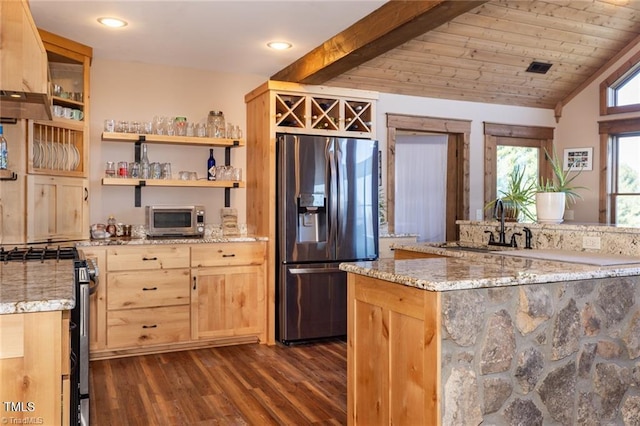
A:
(324, 115)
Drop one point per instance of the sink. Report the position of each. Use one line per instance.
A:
(462, 247)
(597, 259)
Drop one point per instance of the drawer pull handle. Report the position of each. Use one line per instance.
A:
(150, 326)
(229, 255)
(149, 288)
(194, 283)
(149, 258)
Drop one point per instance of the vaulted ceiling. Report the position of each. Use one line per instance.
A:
(476, 50)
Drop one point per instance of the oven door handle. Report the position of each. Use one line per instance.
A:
(93, 286)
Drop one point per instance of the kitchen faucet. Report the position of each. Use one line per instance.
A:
(502, 238)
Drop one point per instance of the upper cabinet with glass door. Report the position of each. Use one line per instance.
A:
(322, 110)
(61, 146)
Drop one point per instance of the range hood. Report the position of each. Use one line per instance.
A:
(24, 105)
(23, 65)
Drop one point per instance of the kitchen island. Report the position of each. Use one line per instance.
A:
(467, 338)
(35, 299)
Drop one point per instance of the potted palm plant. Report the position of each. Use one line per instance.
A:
(553, 195)
(517, 197)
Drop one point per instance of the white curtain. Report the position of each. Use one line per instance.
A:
(421, 179)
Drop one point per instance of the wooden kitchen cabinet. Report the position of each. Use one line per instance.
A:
(34, 367)
(147, 296)
(165, 297)
(57, 208)
(23, 60)
(228, 291)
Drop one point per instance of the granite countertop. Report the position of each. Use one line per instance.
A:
(37, 286)
(465, 270)
(162, 241)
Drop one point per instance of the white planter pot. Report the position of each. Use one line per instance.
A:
(550, 207)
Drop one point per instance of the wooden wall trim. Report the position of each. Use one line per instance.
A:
(625, 125)
(603, 202)
(515, 131)
(459, 132)
(428, 124)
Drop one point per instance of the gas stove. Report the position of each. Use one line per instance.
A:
(40, 253)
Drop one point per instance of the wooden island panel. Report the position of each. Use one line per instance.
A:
(394, 353)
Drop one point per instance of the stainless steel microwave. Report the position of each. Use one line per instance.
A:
(174, 221)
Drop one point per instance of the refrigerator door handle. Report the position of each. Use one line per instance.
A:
(295, 271)
(333, 192)
(341, 193)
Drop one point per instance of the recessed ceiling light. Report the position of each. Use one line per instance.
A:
(112, 22)
(279, 45)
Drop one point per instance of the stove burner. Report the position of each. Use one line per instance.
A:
(38, 253)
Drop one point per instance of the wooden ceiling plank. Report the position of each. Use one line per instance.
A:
(488, 22)
(384, 29)
(441, 92)
(459, 83)
(469, 74)
(462, 34)
(512, 62)
(564, 18)
(528, 53)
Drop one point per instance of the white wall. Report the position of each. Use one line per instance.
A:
(137, 91)
(578, 128)
(478, 113)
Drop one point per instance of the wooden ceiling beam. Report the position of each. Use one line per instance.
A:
(393, 24)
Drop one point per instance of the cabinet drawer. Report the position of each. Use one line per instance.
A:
(227, 254)
(148, 326)
(130, 290)
(147, 257)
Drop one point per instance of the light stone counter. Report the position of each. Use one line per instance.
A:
(163, 241)
(467, 270)
(36, 286)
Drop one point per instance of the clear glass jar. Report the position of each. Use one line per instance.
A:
(216, 124)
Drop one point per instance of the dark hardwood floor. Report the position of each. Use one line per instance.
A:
(235, 385)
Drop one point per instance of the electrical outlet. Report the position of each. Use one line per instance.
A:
(591, 243)
(479, 215)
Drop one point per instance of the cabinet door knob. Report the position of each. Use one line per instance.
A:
(149, 288)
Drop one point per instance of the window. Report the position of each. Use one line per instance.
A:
(621, 180)
(508, 146)
(620, 92)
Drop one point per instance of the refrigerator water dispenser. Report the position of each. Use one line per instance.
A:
(312, 218)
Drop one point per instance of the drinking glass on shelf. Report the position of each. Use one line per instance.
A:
(110, 169)
(180, 125)
(191, 129)
(158, 125)
(109, 125)
(134, 170)
(121, 126)
(146, 127)
(165, 171)
(123, 169)
(201, 130)
(155, 171)
(169, 126)
(237, 174)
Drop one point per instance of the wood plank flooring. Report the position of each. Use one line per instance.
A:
(235, 385)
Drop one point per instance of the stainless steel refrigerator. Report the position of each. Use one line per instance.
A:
(327, 198)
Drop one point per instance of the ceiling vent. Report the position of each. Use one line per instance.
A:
(538, 67)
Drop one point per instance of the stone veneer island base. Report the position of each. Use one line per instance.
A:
(564, 352)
